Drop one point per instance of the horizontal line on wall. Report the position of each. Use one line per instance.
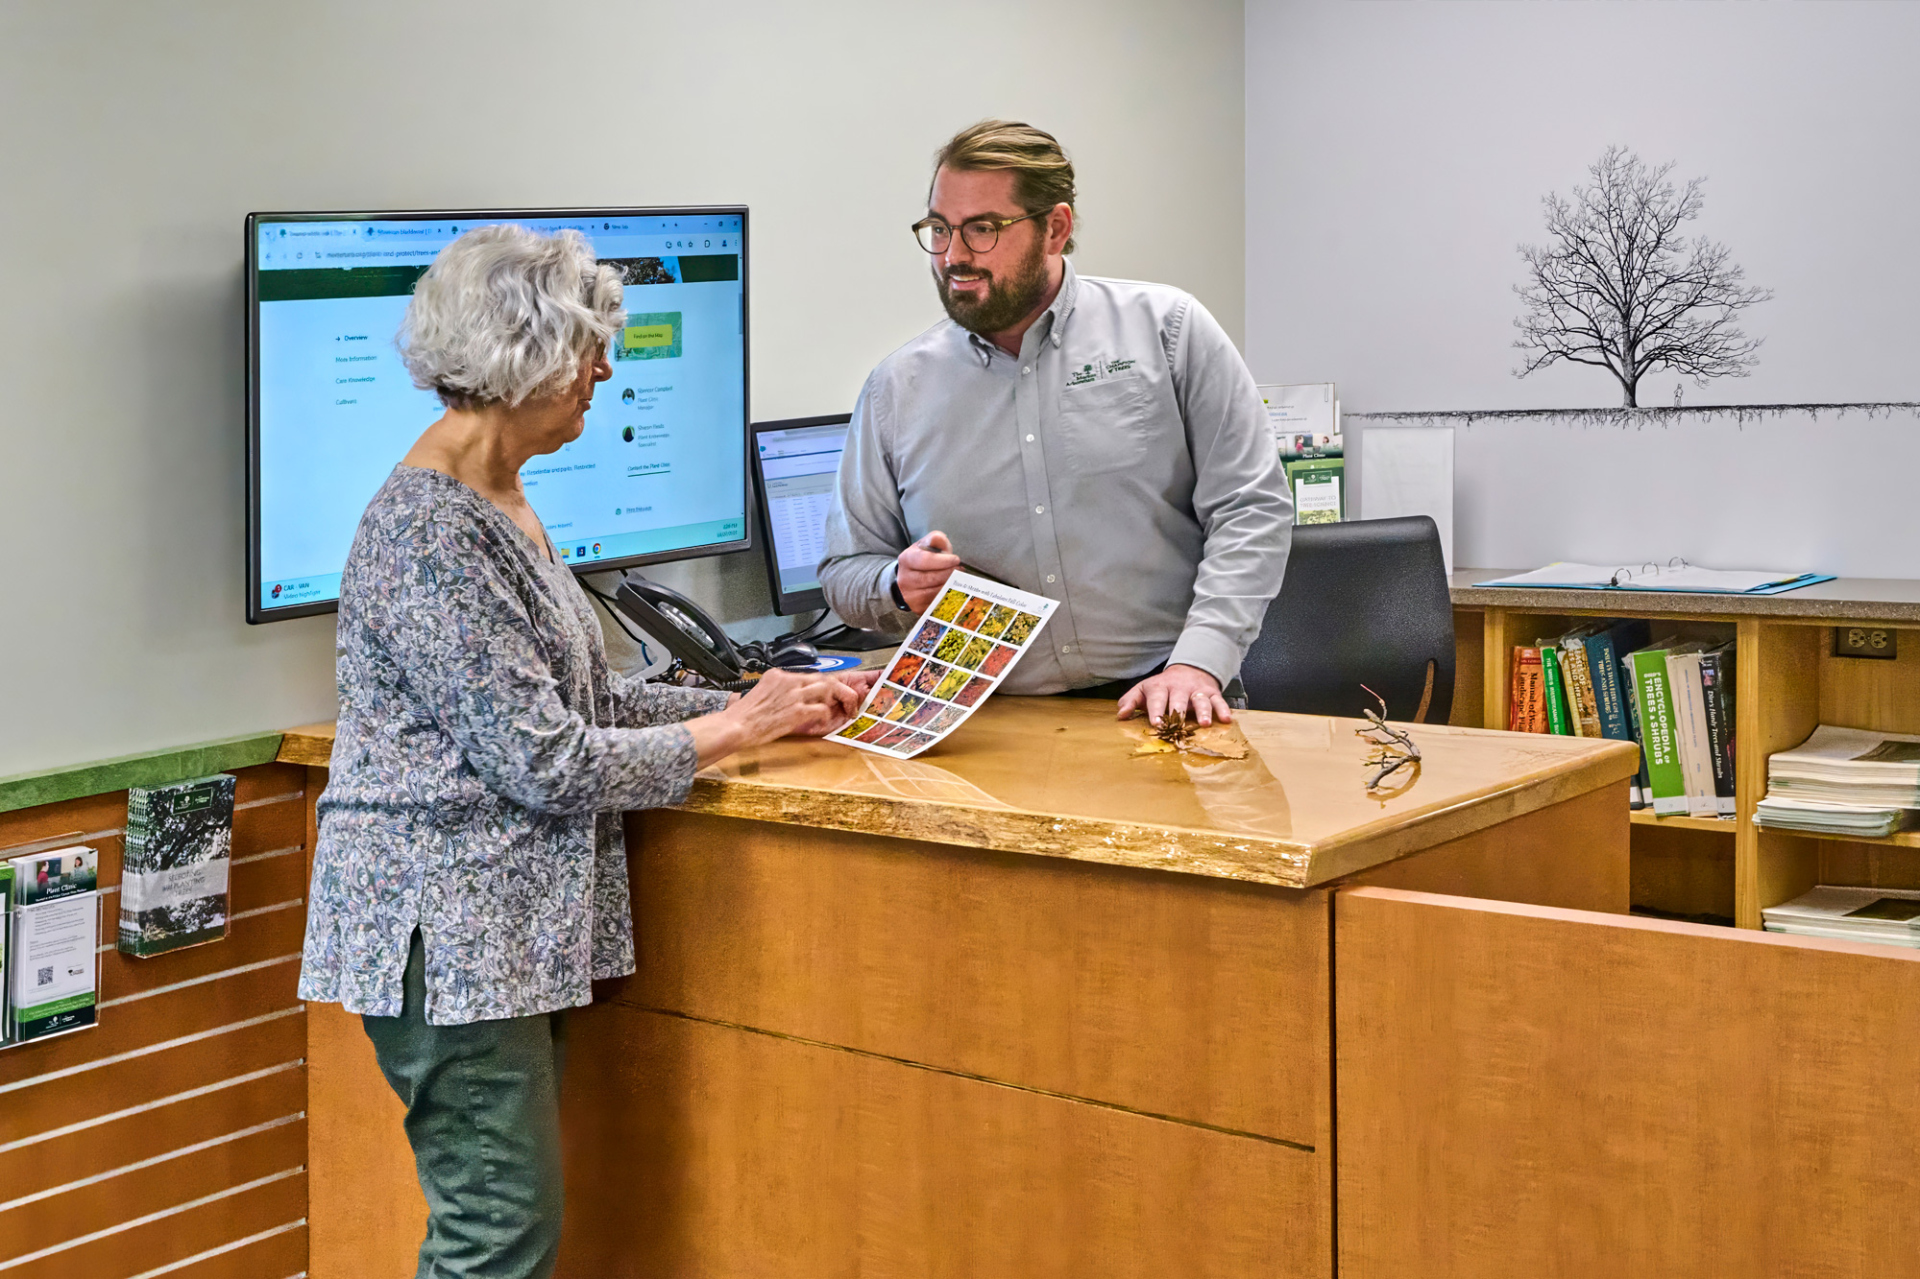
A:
(272, 852)
(151, 1161)
(191, 1093)
(979, 1079)
(59, 841)
(202, 980)
(215, 1251)
(268, 910)
(152, 1217)
(150, 1049)
(104, 947)
(270, 799)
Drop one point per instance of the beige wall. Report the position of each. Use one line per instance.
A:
(138, 137)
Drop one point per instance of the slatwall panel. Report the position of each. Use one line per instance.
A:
(171, 1139)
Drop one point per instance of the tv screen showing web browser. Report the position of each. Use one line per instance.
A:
(660, 471)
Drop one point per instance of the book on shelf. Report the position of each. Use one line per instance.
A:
(1690, 728)
(1555, 688)
(1583, 709)
(1886, 916)
(1639, 789)
(174, 873)
(1717, 694)
(1527, 702)
(56, 933)
(1666, 783)
(1605, 643)
(1609, 679)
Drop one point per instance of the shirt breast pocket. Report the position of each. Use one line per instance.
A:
(1104, 427)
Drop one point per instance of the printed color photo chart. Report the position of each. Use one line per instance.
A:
(955, 655)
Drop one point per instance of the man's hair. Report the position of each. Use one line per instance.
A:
(1042, 174)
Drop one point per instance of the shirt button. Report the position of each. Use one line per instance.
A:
(1066, 648)
(1025, 371)
(1039, 510)
(1049, 577)
(1029, 439)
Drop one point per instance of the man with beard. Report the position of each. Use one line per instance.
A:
(1099, 442)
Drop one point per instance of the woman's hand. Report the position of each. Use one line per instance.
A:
(780, 703)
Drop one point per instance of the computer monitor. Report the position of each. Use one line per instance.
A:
(796, 462)
(659, 473)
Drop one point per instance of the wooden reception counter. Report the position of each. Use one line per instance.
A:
(1027, 1005)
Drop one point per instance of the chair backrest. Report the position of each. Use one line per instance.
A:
(1364, 602)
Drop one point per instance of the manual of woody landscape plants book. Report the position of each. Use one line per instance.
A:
(173, 882)
(52, 971)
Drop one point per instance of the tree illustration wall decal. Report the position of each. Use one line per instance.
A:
(1619, 287)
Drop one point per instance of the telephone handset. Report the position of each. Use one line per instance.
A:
(697, 641)
(683, 627)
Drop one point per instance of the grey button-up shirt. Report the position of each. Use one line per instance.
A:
(1122, 464)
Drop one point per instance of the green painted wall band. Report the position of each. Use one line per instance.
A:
(153, 768)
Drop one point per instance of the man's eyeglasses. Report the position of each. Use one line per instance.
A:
(978, 234)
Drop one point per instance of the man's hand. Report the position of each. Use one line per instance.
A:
(1175, 691)
(924, 569)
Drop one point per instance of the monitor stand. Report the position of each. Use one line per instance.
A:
(851, 639)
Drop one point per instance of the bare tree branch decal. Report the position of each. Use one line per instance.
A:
(1620, 288)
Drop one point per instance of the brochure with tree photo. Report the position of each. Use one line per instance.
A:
(954, 656)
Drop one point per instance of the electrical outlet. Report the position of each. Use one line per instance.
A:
(1863, 641)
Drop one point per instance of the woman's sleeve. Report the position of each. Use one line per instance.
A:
(466, 649)
(640, 704)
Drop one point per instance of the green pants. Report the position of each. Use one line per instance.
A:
(483, 1117)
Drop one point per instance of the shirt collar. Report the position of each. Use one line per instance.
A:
(1052, 324)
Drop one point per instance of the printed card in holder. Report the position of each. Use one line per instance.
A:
(956, 654)
(55, 932)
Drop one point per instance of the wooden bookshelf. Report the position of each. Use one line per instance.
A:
(1788, 680)
(1718, 825)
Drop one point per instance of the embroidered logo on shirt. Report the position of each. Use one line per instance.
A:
(1102, 370)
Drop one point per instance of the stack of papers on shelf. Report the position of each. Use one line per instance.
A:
(1853, 821)
(1683, 578)
(1854, 766)
(1890, 916)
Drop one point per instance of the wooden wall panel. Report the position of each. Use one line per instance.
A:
(280, 1252)
(1469, 668)
(1573, 854)
(152, 1131)
(1525, 1091)
(278, 1200)
(1199, 998)
(142, 1190)
(176, 1126)
(146, 1072)
(206, 1009)
(367, 1213)
(703, 1150)
(1683, 871)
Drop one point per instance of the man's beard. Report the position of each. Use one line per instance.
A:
(1007, 302)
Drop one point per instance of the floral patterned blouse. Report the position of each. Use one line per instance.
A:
(483, 755)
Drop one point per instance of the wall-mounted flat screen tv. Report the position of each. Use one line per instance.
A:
(660, 473)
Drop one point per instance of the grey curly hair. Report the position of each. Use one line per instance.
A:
(505, 313)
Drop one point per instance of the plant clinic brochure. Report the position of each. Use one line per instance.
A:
(959, 650)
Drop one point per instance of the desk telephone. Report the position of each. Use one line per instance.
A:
(696, 640)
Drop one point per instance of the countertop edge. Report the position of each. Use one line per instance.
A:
(1142, 846)
(1821, 602)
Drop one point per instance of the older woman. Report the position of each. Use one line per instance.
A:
(469, 880)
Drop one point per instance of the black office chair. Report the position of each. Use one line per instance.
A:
(1364, 602)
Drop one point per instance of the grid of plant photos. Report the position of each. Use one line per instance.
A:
(959, 650)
